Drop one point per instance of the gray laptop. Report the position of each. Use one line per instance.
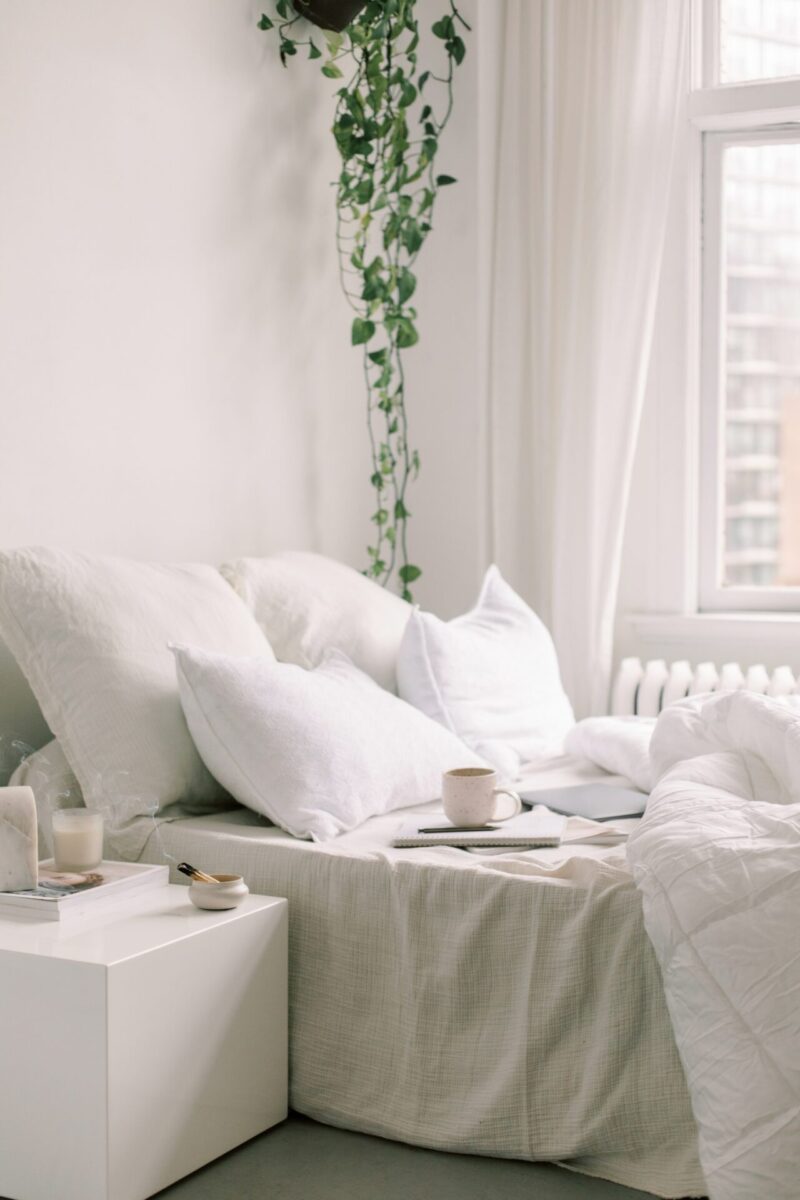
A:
(594, 800)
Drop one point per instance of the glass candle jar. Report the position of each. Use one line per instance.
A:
(77, 839)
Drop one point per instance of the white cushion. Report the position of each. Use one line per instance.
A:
(90, 634)
(308, 605)
(491, 676)
(315, 751)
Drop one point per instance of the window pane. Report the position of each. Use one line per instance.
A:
(761, 203)
(758, 39)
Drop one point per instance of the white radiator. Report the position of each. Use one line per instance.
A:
(643, 689)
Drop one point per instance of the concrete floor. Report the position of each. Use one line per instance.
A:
(301, 1160)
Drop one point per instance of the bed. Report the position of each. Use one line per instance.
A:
(501, 1005)
(507, 1005)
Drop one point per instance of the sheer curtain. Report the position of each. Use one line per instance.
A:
(581, 106)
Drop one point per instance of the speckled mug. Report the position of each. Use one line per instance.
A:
(469, 796)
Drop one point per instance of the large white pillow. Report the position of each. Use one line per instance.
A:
(315, 751)
(308, 605)
(491, 676)
(90, 634)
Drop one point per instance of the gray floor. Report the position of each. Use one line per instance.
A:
(301, 1160)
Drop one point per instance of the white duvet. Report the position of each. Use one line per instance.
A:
(717, 860)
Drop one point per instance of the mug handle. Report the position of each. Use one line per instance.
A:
(517, 803)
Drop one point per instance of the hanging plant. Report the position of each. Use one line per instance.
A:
(388, 122)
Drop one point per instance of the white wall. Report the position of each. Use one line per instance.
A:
(443, 395)
(176, 378)
(166, 264)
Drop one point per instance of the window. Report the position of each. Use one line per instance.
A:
(750, 377)
(758, 39)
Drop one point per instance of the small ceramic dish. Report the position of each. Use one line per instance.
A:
(227, 892)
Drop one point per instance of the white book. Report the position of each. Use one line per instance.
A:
(105, 886)
(539, 827)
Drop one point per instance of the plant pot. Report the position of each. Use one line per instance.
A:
(330, 14)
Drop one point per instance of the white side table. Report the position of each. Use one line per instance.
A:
(139, 1044)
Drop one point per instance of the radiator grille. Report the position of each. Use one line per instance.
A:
(643, 689)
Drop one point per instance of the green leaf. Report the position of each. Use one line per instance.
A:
(364, 190)
(457, 49)
(401, 513)
(426, 112)
(376, 480)
(265, 22)
(444, 28)
(411, 236)
(282, 9)
(406, 283)
(423, 79)
(444, 180)
(406, 334)
(331, 71)
(334, 41)
(380, 517)
(362, 331)
(378, 357)
(408, 94)
(313, 51)
(408, 573)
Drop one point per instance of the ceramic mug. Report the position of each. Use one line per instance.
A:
(469, 796)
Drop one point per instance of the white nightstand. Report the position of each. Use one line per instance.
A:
(138, 1045)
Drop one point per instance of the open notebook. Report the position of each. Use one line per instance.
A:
(539, 827)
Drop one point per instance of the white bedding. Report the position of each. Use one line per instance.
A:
(717, 858)
(506, 1005)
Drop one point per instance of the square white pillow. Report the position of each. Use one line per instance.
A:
(91, 636)
(491, 676)
(318, 752)
(308, 605)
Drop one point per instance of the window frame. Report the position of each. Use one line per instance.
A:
(756, 112)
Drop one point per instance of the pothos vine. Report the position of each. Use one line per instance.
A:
(387, 128)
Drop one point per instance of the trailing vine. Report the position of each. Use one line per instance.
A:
(388, 121)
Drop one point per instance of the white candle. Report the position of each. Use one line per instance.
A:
(77, 839)
(19, 840)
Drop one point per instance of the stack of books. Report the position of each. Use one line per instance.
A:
(60, 894)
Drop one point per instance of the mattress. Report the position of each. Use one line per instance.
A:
(503, 1005)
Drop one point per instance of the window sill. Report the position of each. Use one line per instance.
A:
(770, 637)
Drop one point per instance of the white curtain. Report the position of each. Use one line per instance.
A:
(581, 104)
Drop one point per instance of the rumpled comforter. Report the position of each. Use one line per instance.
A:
(717, 861)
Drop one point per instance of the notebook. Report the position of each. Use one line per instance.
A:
(539, 827)
(597, 801)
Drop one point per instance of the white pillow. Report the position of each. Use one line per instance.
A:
(620, 745)
(315, 751)
(490, 676)
(90, 635)
(308, 605)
